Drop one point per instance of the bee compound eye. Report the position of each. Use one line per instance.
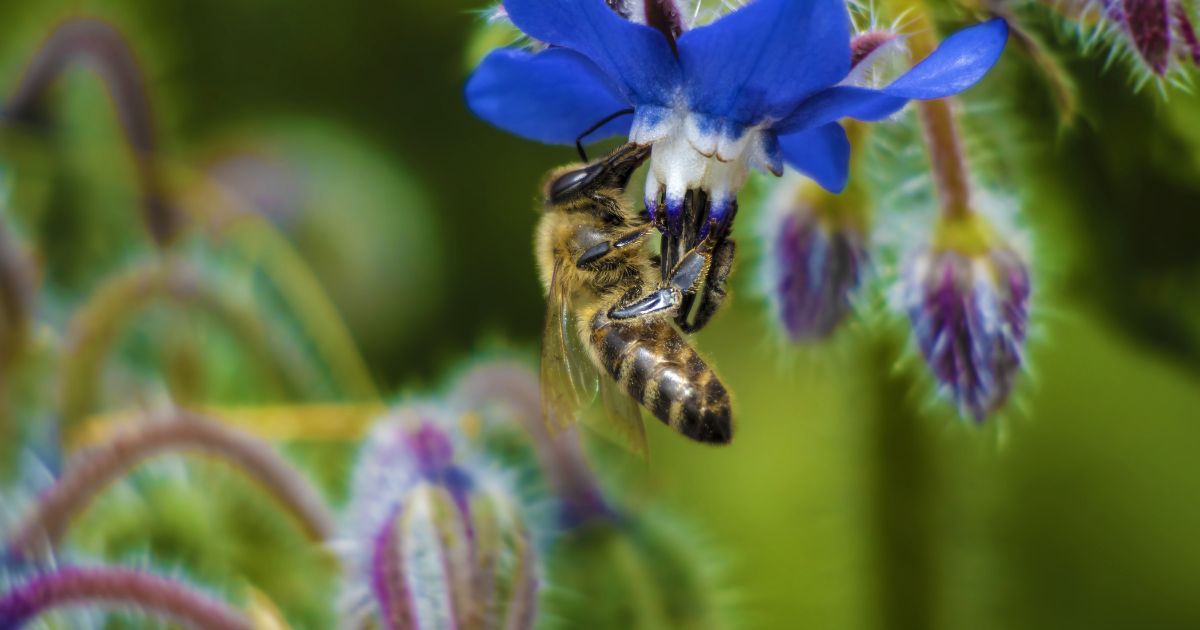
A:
(572, 182)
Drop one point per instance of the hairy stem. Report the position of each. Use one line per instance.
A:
(233, 219)
(100, 47)
(118, 587)
(16, 295)
(905, 487)
(512, 384)
(940, 130)
(16, 305)
(97, 324)
(92, 470)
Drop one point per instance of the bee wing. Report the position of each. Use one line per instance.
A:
(568, 378)
(620, 420)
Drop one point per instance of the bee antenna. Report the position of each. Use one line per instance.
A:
(603, 121)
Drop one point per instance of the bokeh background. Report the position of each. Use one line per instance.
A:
(849, 499)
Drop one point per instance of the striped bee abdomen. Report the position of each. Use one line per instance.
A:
(656, 366)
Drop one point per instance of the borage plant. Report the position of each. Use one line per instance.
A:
(719, 93)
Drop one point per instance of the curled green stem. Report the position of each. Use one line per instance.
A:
(17, 288)
(16, 296)
(117, 587)
(510, 383)
(96, 325)
(100, 47)
(277, 257)
(92, 470)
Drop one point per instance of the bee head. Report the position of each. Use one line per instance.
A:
(610, 172)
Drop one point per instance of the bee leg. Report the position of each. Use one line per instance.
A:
(691, 269)
(681, 284)
(599, 251)
(714, 292)
(666, 299)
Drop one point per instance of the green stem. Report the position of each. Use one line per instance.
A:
(85, 39)
(96, 325)
(904, 489)
(17, 290)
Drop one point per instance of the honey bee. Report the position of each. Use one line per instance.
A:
(610, 310)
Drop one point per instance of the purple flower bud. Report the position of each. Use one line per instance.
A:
(816, 259)
(1187, 33)
(1158, 31)
(968, 307)
(863, 44)
(1148, 23)
(438, 543)
(663, 15)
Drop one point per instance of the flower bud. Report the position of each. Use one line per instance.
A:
(1147, 23)
(1155, 32)
(864, 44)
(439, 543)
(816, 257)
(966, 296)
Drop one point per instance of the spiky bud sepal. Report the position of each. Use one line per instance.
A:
(966, 295)
(1156, 35)
(437, 542)
(1159, 31)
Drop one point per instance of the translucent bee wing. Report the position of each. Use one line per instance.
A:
(568, 378)
(620, 418)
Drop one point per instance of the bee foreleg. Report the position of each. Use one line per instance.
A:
(599, 251)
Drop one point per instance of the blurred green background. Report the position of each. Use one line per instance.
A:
(849, 499)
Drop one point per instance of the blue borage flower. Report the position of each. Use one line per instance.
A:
(759, 87)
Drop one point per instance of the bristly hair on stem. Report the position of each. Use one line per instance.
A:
(116, 587)
(101, 47)
(88, 473)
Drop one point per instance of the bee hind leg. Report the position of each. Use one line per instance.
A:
(601, 250)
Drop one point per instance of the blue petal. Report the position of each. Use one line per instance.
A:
(551, 96)
(822, 153)
(764, 58)
(636, 57)
(960, 62)
(841, 102)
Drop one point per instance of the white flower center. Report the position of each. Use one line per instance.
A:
(688, 155)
